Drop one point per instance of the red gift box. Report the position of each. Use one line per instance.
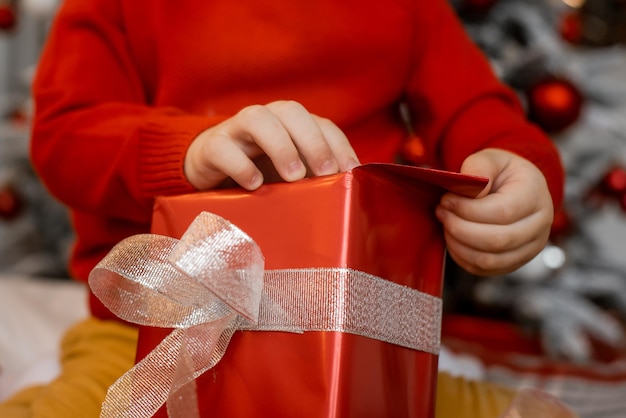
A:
(377, 219)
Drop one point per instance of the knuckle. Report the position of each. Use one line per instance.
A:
(252, 112)
(324, 122)
(504, 212)
(285, 106)
(214, 143)
(499, 242)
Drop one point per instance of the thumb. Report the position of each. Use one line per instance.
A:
(484, 164)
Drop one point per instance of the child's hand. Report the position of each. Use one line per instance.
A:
(295, 141)
(508, 224)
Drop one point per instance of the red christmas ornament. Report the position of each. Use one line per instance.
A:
(571, 27)
(413, 151)
(7, 17)
(10, 203)
(554, 103)
(614, 182)
(613, 186)
(610, 188)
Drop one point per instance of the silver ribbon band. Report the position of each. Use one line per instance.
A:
(211, 283)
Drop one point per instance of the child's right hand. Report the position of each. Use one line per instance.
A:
(285, 131)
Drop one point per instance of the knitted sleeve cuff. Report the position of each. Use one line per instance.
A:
(163, 143)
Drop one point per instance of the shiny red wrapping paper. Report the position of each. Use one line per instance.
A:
(377, 218)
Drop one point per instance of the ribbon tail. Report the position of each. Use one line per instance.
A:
(203, 347)
(183, 402)
(168, 373)
(141, 391)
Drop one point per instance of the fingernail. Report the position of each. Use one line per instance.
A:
(256, 181)
(296, 170)
(328, 167)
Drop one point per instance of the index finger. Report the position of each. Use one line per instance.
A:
(498, 208)
(322, 145)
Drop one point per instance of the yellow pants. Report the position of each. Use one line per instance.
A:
(95, 353)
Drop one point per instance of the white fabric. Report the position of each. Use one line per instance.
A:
(461, 365)
(34, 314)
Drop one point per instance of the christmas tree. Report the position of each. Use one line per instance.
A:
(567, 62)
(34, 228)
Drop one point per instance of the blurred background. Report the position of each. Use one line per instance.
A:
(558, 322)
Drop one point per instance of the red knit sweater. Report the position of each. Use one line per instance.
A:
(124, 86)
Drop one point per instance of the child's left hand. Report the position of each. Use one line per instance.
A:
(508, 224)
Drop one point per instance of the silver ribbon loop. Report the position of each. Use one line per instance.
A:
(211, 283)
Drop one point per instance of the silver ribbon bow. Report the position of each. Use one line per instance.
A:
(211, 283)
